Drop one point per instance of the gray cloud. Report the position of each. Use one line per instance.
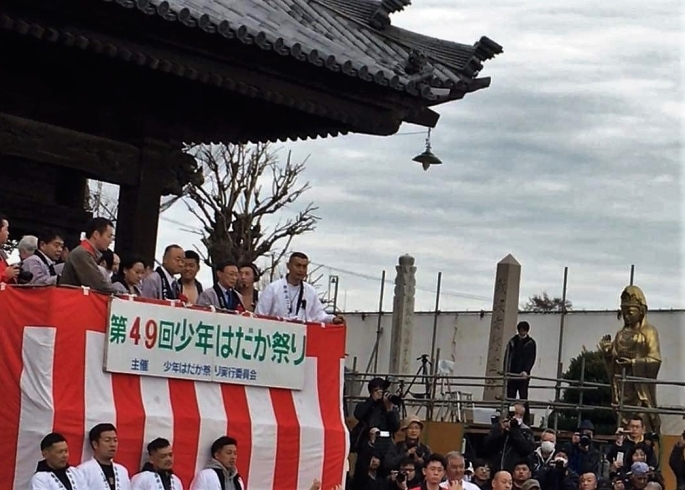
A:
(571, 158)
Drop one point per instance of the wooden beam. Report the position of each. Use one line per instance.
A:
(27, 215)
(424, 117)
(100, 158)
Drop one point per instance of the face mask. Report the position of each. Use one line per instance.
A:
(546, 447)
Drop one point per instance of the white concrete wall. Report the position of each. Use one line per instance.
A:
(463, 338)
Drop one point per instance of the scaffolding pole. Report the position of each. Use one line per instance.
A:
(379, 328)
(436, 314)
(560, 352)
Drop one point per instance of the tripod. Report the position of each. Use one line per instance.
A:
(424, 372)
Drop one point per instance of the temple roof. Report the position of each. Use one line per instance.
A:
(231, 70)
(354, 37)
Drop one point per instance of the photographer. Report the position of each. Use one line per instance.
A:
(411, 447)
(378, 411)
(510, 440)
(584, 457)
(557, 475)
(407, 476)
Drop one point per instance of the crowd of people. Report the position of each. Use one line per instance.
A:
(45, 259)
(391, 456)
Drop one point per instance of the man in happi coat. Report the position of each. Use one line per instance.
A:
(221, 472)
(292, 298)
(162, 283)
(158, 472)
(101, 472)
(54, 472)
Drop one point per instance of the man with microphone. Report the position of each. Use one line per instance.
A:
(291, 298)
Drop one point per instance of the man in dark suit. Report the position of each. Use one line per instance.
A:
(519, 359)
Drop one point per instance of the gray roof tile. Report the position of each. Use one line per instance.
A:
(337, 34)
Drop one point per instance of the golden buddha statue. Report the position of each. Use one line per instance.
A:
(635, 348)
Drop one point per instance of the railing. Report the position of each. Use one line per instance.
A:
(450, 403)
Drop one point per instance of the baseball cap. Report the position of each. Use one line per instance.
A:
(531, 484)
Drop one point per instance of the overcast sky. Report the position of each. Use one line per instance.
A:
(571, 158)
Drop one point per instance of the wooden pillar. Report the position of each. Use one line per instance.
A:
(138, 215)
(164, 170)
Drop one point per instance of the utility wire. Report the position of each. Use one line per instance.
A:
(390, 281)
(359, 274)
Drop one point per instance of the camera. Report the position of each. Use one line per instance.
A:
(394, 399)
(559, 464)
(24, 277)
(585, 440)
(401, 477)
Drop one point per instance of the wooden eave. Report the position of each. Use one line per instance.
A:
(331, 104)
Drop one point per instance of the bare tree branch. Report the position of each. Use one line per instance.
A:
(234, 207)
(102, 202)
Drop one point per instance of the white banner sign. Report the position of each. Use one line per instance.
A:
(174, 342)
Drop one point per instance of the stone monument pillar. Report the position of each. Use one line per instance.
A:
(505, 307)
(403, 317)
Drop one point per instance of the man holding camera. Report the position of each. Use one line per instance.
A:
(510, 439)
(408, 476)
(411, 447)
(557, 475)
(584, 457)
(377, 412)
(377, 422)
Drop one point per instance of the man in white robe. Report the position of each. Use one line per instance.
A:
(158, 473)
(54, 472)
(222, 467)
(291, 298)
(101, 472)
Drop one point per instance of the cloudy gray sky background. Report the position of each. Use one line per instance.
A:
(571, 158)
